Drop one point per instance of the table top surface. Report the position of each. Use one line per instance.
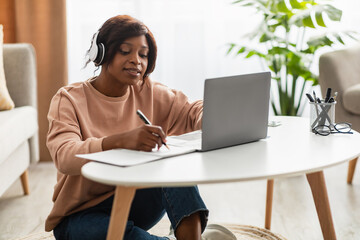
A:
(290, 149)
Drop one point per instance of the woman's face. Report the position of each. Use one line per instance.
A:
(130, 62)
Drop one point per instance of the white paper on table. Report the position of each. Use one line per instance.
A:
(122, 157)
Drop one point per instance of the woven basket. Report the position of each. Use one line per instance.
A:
(245, 232)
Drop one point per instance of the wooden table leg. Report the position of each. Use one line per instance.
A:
(25, 182)
(318, 188)
(269, 198)
(120, 211)
(351, 169)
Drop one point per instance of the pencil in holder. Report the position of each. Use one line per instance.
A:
(322, 114)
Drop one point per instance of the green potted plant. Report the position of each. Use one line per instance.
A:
(282, 45)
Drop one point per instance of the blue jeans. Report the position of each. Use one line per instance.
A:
(148, 207)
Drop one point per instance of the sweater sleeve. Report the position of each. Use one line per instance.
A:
(182, 115)
(64, 138)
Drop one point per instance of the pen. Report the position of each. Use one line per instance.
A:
(314, 94)
(315, 99)
(332, 99)
(147, 122)
(328, 95)
(309, 97)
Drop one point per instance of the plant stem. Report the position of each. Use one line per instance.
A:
(274, 108)
(286, 60)
(292, 99)
(300, 98)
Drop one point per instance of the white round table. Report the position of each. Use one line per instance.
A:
(290, 149)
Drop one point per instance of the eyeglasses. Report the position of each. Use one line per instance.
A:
(325, 130)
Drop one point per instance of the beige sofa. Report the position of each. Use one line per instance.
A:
(340, 70)
(19, 127)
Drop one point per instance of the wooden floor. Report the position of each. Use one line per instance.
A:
(294, 214)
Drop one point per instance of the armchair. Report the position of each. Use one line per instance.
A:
(18, 127)
(340, 70)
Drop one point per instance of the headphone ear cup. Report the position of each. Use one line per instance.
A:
(93, 51)
(96, 51)
(100, 54)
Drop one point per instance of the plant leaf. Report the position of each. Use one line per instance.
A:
(232, 45)
(281, 6)
(262, 29)
(327, 39)
(319, 19)
(260, 5)
(320, 41)
(333, 13)
(250, 54)
(241, 50)
(309, 50)
(265, 37)
(307, 21)
(295, 4)
(338, 37)
(303, 17)
(278, 50)
(353, 35)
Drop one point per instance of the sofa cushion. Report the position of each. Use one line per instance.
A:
(351, 99)
(16, 126)
(6, 103)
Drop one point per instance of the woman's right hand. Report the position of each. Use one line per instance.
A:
(143, 138)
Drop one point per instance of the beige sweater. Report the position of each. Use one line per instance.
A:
(80, 117)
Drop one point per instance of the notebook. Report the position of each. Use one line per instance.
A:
(236, 110)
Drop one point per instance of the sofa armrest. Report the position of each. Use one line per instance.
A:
(21, 81)
(351, 99)
(20, 73)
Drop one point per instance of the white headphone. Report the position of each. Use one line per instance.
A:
(97, 51)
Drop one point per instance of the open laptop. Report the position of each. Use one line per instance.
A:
(236, 110)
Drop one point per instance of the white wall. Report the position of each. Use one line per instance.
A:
(191, 36)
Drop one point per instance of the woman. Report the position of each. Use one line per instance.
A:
(100, 114)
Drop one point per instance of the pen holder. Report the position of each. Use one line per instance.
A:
(322, 114)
